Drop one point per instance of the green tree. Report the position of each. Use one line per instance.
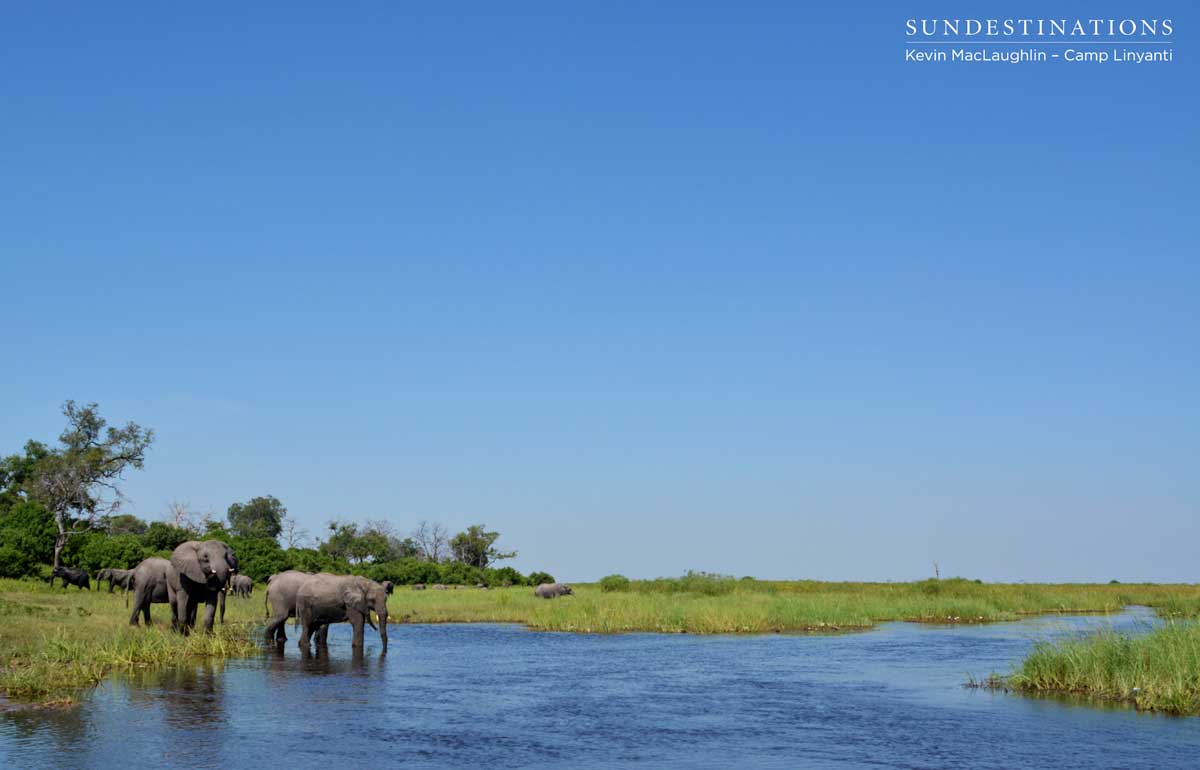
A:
(261, 517)
(161, 536)
(477, 547)
(79, 481)
(123, 524)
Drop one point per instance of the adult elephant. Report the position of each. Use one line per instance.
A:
(200, 570)
(73, 575)
(324, 599)
(116, 577)
(150, 587)
(281, 601)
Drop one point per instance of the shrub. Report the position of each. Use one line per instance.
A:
(14, 561)
(504, 576)
(459, 573)
(161, 536)
(537, 578)
(120, 552)
(614, 584)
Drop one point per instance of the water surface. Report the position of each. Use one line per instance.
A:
(500, 696)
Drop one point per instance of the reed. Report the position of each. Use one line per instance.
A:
(1157, 671)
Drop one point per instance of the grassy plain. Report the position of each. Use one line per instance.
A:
(745, 606)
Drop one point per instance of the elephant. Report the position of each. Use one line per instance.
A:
(438, 587)
(418, 587)
(324, 598)
(281, 599)
(388, 586)
(150, 587)
(73, 575)
(553, 590)
(116, 577)
(199, 571)
(242, 586)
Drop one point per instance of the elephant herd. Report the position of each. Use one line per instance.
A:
(202, 572)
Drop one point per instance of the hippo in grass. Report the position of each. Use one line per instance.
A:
(552, 590)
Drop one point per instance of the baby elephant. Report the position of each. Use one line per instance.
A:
(552, 590)
(72, 575)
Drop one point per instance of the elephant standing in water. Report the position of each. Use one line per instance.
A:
(281, 599)
(324, 599)
(150, 587)
(199, 572)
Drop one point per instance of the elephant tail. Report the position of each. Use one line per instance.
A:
(266, 604)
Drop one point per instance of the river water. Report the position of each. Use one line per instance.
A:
(500, 696)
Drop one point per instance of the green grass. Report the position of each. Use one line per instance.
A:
(55, 642)
(1158, 671)
(714, 605)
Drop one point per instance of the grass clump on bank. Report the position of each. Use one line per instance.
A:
(54, 642)
(1158, 671)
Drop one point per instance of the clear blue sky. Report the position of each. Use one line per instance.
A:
(645, 286)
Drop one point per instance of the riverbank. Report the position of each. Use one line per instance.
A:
(1157, 671)
(56, 642)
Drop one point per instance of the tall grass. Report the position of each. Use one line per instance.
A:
(54, 642)
(1159, 671)
(700, 603)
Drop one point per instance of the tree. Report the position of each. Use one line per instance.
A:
(161, 536)
(261, 517)
(123, 524)
(432, 541)
(80, 481)
(477, 547)
(181, 515)
(293, 535)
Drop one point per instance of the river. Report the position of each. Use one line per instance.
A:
(500, 696)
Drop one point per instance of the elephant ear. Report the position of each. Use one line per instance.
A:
(187, 562)
(354, 597)
(230, 559)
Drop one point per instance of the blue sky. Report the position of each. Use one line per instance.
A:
(646, 287)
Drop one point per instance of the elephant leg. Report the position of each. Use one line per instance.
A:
(323, 635)
(185, 609)
(137, 607)
(222, 600)
(211, 611)
(358, 623)
(305, 637)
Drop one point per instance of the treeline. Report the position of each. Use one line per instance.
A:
(27, 536)
(60, 505)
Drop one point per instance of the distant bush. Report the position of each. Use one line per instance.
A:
(955, 586)
(161, 536)
(707, 583)
(537, 578)
(614, 584)
(16, 562)
(118, 551)
(504, 576)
